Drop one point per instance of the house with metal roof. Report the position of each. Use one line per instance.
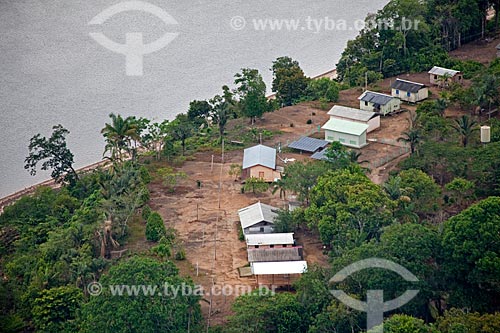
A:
(309, 145)
(442, 77)
(346, 113)
(408, 91)
(275, 254)
(380, 103)
(257, 218)
(260, 162)
(269, 240)
(278, 273)
(347, 132)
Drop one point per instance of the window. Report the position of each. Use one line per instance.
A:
(352, 142)
(408, 94)
(435, 77)
(284, 245)
(261, 229)
(329, 138)
(271, 246)
(261, 174)
(341, 140)
(366, 103)
(256, 246)
(397, 92)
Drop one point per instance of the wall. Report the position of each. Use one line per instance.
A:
(255, 229)
(345, 139)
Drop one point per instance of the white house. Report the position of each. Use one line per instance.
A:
(366, 117)
(409, 91)
(442, 77)
(380, 103)
(257, 218)
(347, 132)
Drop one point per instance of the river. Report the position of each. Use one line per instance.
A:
(53, 72)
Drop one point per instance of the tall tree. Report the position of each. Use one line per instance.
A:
(181, 129)
(222, 109)
(251, 90)
(53, 153)
(119, 135)
(289, 81)
(465, 127)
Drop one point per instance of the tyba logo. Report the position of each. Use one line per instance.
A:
(134, 48)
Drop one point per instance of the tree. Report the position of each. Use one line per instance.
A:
(456, 321)
(300, 178)
(411, 137)
(54, 154)
(460, 190)
(404, 324)
(155, 136)
(171, 177)
(472, 256)
(222, 108)
(288, 221)
(289, 81)
(251, 90)
(323, 89)
(422, 190)
(465, 127)
(119, 135)
(155, 228)
(256, 185)
(154, 308)
(55, 309)
(235, 170)
(199, 111)
(181, 129)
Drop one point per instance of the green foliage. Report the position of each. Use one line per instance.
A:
(289, 81)
(55, 309)
(199, 111)
(54, 154)
(300, 177)
(251, 91)
(171, 177)
(458, 321)
(155, 228)
(119, 135)
(142, 313)
(288, 221)
(146, 211)
(323, 89)
(422, 190)
(472, 255)
(255, 185)
(181, 129)
(405, 324)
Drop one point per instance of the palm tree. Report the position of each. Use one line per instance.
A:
(119, 135)
(465, 127)
(411, 137)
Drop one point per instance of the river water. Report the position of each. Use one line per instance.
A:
(53, 72)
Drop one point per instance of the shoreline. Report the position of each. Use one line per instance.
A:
(13, 197)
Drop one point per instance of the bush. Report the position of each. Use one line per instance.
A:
(180, 255)
(309, 121)
(155, 229)
(146, 211)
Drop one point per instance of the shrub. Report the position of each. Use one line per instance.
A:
(180, 255)
(155, 229)
(309, 122)
(146, 211)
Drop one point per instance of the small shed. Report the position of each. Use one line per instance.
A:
(409, 91)
(260, 162)
(278, 273)
(273, 240)
(380, 103)
(320, 155)
(366, 117)
(275, 254)
(348, 133)
(442, 77)
(257, 218)
(307, 144)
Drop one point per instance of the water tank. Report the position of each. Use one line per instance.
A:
(485, 134)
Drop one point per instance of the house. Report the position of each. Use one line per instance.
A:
(260, 162)
(309, 145)
(273, 240)
(442, 77)
(278, 273)
(347, 132)
(257, 218)
(408, 91)
(381, 103)
(275, 254)
(366, 117)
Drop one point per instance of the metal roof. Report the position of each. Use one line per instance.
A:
(270, 239)
(259, 155)
(375, 98)
(320, 155)
(345, 126)
(408, 86)
(351, 113)
(275, 254)
(278, 267)
(308, 144)
(256, 213)
(440, 71)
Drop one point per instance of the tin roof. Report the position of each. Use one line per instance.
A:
(345, 126)
(259, 155)
(270, 239)
(408, 86)
(256, 213)
(275, 254)
(351, 113)
(375, 98)
(440, 71)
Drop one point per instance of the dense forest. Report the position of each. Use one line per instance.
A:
(438, 215)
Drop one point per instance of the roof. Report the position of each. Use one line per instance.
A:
(320, 155)
(275, 254)
(259, 155)
(308, 144)
(256, 213)
(443, 71)
(375, 98)
(345, 126)
(278, 267)
(351, 113)
(408, 86)
(270, 239)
